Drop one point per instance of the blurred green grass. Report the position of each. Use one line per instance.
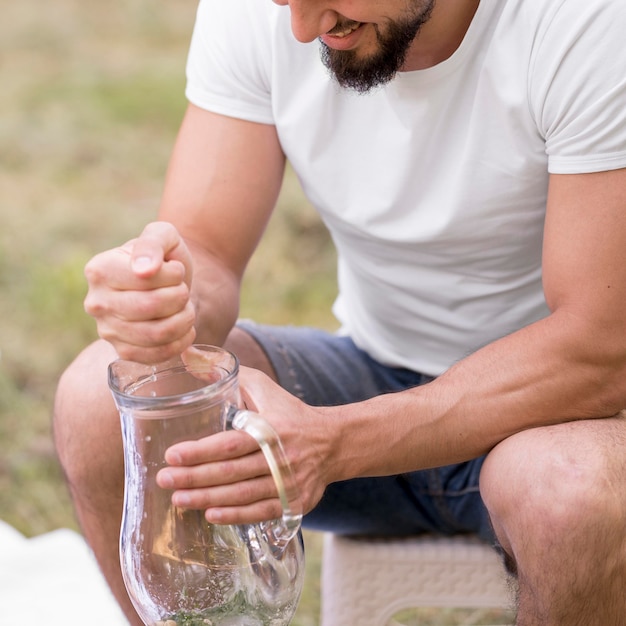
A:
(85, 142)
(93, 94)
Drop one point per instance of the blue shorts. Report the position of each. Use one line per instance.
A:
(324, 369)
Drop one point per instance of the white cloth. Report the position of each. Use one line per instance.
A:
(434, 188)
(53, 579)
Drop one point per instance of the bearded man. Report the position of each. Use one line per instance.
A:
(469, 161)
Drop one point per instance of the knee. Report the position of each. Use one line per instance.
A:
(557, 481)
(85, 421)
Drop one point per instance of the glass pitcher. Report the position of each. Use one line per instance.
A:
(179, 569)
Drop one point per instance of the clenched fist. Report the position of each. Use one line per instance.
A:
(139, 295)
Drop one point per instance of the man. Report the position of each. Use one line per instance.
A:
(469, 161)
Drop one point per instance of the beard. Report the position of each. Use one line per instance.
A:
(364, 74)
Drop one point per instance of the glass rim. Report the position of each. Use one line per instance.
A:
(122, 385)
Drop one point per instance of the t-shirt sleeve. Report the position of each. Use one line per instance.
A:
(578, 87)
(229, 60)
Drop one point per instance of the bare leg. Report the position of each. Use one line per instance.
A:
(557, 498)
(88, 440)
(89, 445)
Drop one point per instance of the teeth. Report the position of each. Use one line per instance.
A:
(346, 31)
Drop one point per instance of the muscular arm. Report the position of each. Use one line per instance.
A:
(570, 365)
(222, 184)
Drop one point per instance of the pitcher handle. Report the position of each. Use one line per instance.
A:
(285, 528)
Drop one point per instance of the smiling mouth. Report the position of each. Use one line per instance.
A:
(343, 30)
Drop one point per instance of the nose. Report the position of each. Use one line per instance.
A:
(309, 19)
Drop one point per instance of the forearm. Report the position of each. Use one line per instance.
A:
(221, 187)
(540, 375)
(215, 296)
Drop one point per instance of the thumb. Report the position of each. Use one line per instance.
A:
(159, 243)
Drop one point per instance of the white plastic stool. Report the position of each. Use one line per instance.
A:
(366, 581)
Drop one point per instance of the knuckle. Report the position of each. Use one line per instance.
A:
(176, 271)
(106, 332)
(231, 446)
(188, 480)
(143, 304)
(271, 509)
(124, 351)
(156, 229)
(93, 273)
(245, 492)
(161, 334)
(92, 305)
(178, 298)
(178, 346)
(227, 471)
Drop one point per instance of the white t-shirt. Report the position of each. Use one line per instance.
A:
(433, 187)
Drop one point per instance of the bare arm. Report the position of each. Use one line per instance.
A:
(570, 365)
(179, 280)
(222, 184)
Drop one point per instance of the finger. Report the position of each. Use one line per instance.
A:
(243, 493)
(170, 274)
(133, 306)
(153, 354)
(250, 514)
(112, 269)
(157, 304)
(221, 446)
(159, 242)
(216, 474)
(146, 255)
(148, 333)
(204, 364)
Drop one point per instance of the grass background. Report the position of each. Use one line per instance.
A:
(92, 99)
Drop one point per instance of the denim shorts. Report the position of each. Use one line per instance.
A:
(325, 369)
